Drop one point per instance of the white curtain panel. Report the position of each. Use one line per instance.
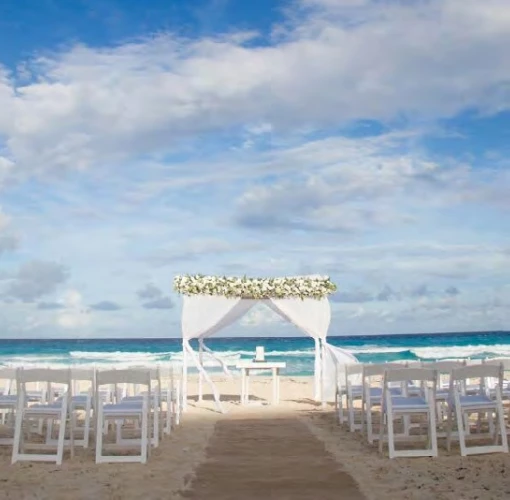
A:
(312, 316)
(204, 315)
(334, 365)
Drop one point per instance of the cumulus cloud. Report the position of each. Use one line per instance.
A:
(161, 303)
(105, 305)
(328, 64)
(150, 291)
(153, 298)
(452, 291)
(34, 280)
(346, 185)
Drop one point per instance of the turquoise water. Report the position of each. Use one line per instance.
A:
(297, 352)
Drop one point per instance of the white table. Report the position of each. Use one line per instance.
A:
(246, 366)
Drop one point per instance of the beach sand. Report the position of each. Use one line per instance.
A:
(199, 454)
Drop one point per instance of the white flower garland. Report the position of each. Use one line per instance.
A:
(314, 287)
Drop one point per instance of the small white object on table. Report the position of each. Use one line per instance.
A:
(246, 366)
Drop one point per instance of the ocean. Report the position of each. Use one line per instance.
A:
(297, 352)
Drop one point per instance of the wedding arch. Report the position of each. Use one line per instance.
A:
(212, 303)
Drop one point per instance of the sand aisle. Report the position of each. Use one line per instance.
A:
(269, 457)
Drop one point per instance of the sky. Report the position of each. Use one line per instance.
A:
(367, 140)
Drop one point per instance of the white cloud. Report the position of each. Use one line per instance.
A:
(182, 148)
(4, 220)
(75, 314)
(34, 280)
(346, 184)
(88, 107)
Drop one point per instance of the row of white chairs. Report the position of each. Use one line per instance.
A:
(38, 397)
(445, 392)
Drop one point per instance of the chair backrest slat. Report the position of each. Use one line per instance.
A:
(84, 374)
(497, 361)
(127, 376)
(406, 374)
(477, 371)
(50, 375)
(445, 366)
(379, 368)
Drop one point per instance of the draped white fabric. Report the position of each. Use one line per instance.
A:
(204, 315)
(313, 317)
(310, 315)
(334, 363)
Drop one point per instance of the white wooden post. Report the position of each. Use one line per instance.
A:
(317, 370)
(201, 369)
(200, 376)
(184, 377)
(323, 361)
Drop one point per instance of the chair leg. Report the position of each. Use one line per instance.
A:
(99, 434)
(156, 426)
(467, 427)
(370, 436)
(432, 429)
(61, 437)
(72, 430)
(362, 416)
(501, 417)
(490, 419)
(391, 434)
(179, 404)
(341, 409)
(382, 427)
(169, 412)
(144, 443)
(86, 430)
(49, 430)
(460, 425)
(449, 426)
(17, 436)
(350, 403)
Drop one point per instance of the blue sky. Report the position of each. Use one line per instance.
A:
(365, 140)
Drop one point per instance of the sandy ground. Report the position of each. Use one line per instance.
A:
(177, 466)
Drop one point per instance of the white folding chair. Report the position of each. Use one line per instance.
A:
(395, 406)
(8, 400)
(81, 401)
(461, 405)
(491, 383)
(155, 401)
(444, 369)
(354, 392)
(121, 412)
(372, 396)
(340, 392)
(171, 395)
(50, 411)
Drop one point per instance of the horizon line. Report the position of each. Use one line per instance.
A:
(480, 332)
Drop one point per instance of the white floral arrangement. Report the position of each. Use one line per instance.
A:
(304, 287)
